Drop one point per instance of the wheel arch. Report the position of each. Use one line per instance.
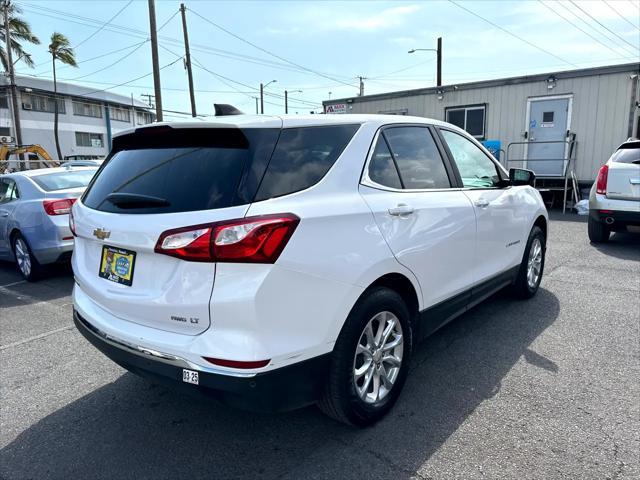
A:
(542, 223)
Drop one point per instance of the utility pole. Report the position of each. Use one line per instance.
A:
(361, 78)
(256, 104)
(12, 80)
(261, 98)
(439, 63)
(286, 102)
(154, 56)
(188, 59)
(150, 98)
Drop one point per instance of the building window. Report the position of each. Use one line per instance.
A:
(469, 118)
(87, 109)
(5, 132)
(4, 102)
(401, 111)
(143, 118)
(41, 103)
(86, 139)
(120, 114)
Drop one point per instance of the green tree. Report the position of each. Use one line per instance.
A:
(60, 49)
(20, 31)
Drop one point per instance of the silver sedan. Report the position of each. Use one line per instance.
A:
(34, 216)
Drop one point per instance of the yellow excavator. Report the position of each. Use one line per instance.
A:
(37, 157)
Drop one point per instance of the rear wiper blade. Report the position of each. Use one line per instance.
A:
(135, 200)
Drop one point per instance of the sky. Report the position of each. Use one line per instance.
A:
(316, 49)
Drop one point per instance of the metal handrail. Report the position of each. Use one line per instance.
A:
(569, 159)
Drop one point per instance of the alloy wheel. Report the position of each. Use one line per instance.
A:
(534, 264)
(378, 357)
(23, 257)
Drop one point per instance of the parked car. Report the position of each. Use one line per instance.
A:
(277, 262)
(81, 163)
(614, 201)
(34, 216)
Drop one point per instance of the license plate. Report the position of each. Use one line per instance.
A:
(190, 376)
(116, 264)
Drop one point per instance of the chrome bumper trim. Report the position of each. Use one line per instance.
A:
(157, 355)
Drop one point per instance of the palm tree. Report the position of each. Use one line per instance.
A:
(60, 49)
(20, 31)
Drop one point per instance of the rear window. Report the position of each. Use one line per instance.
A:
(193, 170)
(627, 154)
(50, 182)
(302, 157)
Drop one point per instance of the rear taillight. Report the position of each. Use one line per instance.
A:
(601, 181)
(58, 206)
(246, 240)
(72, 223)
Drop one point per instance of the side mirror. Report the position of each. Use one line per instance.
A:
(521, 176)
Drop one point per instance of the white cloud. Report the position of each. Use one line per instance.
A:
(388, 18)
(359, 20)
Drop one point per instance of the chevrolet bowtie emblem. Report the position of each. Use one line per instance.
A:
(101, 234)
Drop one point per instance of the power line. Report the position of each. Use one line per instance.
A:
(103, 25)
(265, 50)
(602, 25)
(402, 69)
(84, 61)
(127, 55)
(593, 28)
(510, 33)
(576, 26)
(621, 16)
(122, 30)
(132, 80)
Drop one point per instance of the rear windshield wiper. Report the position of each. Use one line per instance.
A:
(135, 200)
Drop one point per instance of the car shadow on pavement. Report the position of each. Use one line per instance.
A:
(55, 282)
(133, 429)
(622, 245)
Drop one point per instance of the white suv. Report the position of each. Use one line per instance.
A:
(614, 201)
(280, 261)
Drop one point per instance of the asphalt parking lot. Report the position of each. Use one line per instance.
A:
(546, 388)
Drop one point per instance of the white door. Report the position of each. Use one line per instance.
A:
(547, 131)
(429, 227)
(501, 215)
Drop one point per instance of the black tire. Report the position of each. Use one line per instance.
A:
(598, 231)
(521, 287)
(21, 248)
(340, 399)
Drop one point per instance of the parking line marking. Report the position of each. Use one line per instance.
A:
(12, 284)
(36, 337)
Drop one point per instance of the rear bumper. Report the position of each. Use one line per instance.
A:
(615, 218)
(59, 253)
(282, 389)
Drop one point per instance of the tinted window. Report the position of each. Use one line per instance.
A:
(63, 180)
(381, 168)
(627, 155)
(302, 157)
(476, 169)
(197, 169)
(417, 157)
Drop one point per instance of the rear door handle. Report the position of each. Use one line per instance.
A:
(4, 214)
(401, 209)
(634, 181)
(481, 203)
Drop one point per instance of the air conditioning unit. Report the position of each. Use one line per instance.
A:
(26, 106)
(6, 139)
